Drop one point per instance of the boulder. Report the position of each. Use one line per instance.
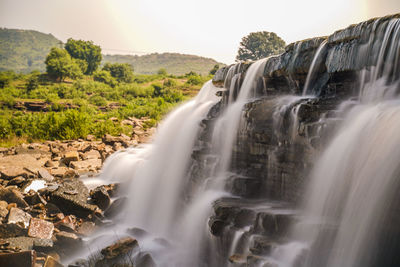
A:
(19, 217)
(70, 156)
(40, 229)
(45, 175)
(12, 195)
(119, 248)
(66, 239)
(11, 230)
(144, 259)
(87, 164)
(71, 197)
(25, 259)
(100, 197)
(115, 207)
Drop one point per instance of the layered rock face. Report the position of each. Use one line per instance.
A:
(281, 133)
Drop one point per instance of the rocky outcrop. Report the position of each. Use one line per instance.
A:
(280, 134)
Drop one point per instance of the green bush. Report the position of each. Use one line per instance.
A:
(98, 100)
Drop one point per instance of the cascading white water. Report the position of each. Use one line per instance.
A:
(317, 60)
(354, 184)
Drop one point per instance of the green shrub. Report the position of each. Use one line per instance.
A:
(98, 100)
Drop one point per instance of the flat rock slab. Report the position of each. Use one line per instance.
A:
(40, 229)
(25, 259)
(16, 165)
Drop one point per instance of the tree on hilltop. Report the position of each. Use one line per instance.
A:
(259, 45)
(86, 51)
(60, 65)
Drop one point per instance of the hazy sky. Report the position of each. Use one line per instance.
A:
(210, 28)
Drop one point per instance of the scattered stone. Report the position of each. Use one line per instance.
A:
(90, 137)
(70, 174)
(71, 156)
(66, 224)
(3, 209)
(40, 229)
(50, 164)
(66, 239)
(52, 209)
(11, 230)
(42, 245)
(52, 262)
(33, 198)
(119, 248)
(59, 172)
(100, 197)
(73, 203)
(19, 217)
(44, 174)
(87, 164)
(25, 258)
(92, 154)
(18, 181)
(12, 195)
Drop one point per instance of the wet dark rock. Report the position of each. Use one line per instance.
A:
(100, 197)
(137, 232)
(33, 198)
(119, 248)
(144, 260)
(12, 230)
(116, 207)
(262, 245)
(71, 198)
(86, 228)
(25, 258)
(67, 239)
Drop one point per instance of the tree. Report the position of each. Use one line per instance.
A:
(258, 45)
(87, 51)
(60, 65)
(214, 69)
(104, 77)
(122, 72)
(162, 71)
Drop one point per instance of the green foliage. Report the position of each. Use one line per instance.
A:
(214, 69)
(98, 100)
(104, 77)
(194, 80)
(33, 81)
(173, 63)
(259, 45)
(24, 50)
(85, 51)
(5, 78)
(122, 72)
(162, 71)
(60, 65)
(170, 83)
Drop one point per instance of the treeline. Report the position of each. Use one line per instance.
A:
(75, 78)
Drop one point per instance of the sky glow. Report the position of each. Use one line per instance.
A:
(210, 28)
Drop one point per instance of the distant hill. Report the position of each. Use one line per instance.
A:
(174, 63)
(24, 50)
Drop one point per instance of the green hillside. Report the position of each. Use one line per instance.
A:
(174, 63)
(24, 50)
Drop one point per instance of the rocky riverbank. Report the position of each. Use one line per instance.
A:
(46, 210)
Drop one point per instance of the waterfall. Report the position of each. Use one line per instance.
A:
(355, 182)
(316, 62)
